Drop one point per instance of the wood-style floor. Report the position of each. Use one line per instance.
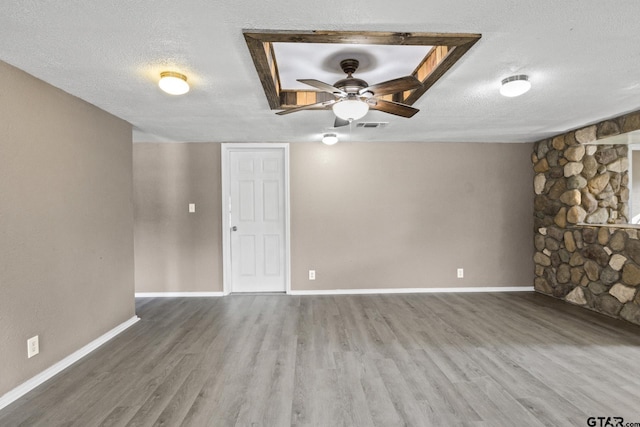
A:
(512, 359)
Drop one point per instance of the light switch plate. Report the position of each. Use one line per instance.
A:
(192, 207)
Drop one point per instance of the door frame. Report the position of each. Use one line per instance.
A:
(226, 149)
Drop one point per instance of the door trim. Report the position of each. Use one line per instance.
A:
(226, 148)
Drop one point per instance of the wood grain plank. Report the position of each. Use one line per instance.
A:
(363, 37)
(367, 360)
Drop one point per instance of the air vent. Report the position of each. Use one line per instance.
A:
(372, 124)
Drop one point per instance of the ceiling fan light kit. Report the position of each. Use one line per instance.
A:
(350, 109)
(515, 85)
(329, 138)
(173, 83)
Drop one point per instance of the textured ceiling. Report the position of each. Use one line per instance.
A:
(582, 58)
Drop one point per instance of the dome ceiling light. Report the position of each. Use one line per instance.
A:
(173, 83)
(515, 86)
(329, 138)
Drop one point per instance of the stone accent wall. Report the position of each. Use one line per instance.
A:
(577, 182)
(595, 267)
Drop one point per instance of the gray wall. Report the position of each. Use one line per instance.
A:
(177, 251)
(363, 215)
(66, 224)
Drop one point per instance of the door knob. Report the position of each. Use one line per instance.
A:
(234, 228)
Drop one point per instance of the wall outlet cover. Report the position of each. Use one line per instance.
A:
(33, 346)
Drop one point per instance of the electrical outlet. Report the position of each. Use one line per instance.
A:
(460, 273)
(312, 275)
(192, 207)
(33, 346)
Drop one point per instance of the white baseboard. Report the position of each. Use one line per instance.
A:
(177, 294)
(346, 291)
(411, 290)
(43, 376)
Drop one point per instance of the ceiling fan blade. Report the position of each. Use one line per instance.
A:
(306, 107)
(394, 108)
(340, 122)
(392, 86)
(325, 87)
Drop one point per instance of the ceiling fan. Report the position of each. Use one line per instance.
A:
(354, 97)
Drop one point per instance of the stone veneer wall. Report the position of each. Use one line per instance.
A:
(597, 267)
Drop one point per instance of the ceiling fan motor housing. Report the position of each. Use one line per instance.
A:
(350, 84)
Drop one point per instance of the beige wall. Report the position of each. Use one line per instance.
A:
(363, 215)
(177, 251)
(66, 224)
(398, 215)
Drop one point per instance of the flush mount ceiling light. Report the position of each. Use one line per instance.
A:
(515, 85)
(329, 138)
(350, 109)
(173, 83)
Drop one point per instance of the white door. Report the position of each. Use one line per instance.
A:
(256, 220)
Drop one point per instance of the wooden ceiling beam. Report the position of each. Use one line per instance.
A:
(363, 37)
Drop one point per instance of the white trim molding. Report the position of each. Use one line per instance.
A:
(411, 290)
(48, 373)
(177, 294)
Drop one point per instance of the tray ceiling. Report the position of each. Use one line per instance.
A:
(321, 61)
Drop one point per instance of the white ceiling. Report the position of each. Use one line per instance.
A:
(377, 63)
(582, 57)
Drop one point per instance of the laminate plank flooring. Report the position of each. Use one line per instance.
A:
(480, 360)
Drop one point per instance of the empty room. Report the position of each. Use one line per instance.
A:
(319, 213)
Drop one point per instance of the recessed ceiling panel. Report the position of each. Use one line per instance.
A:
(282, 57)
(321, 61)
